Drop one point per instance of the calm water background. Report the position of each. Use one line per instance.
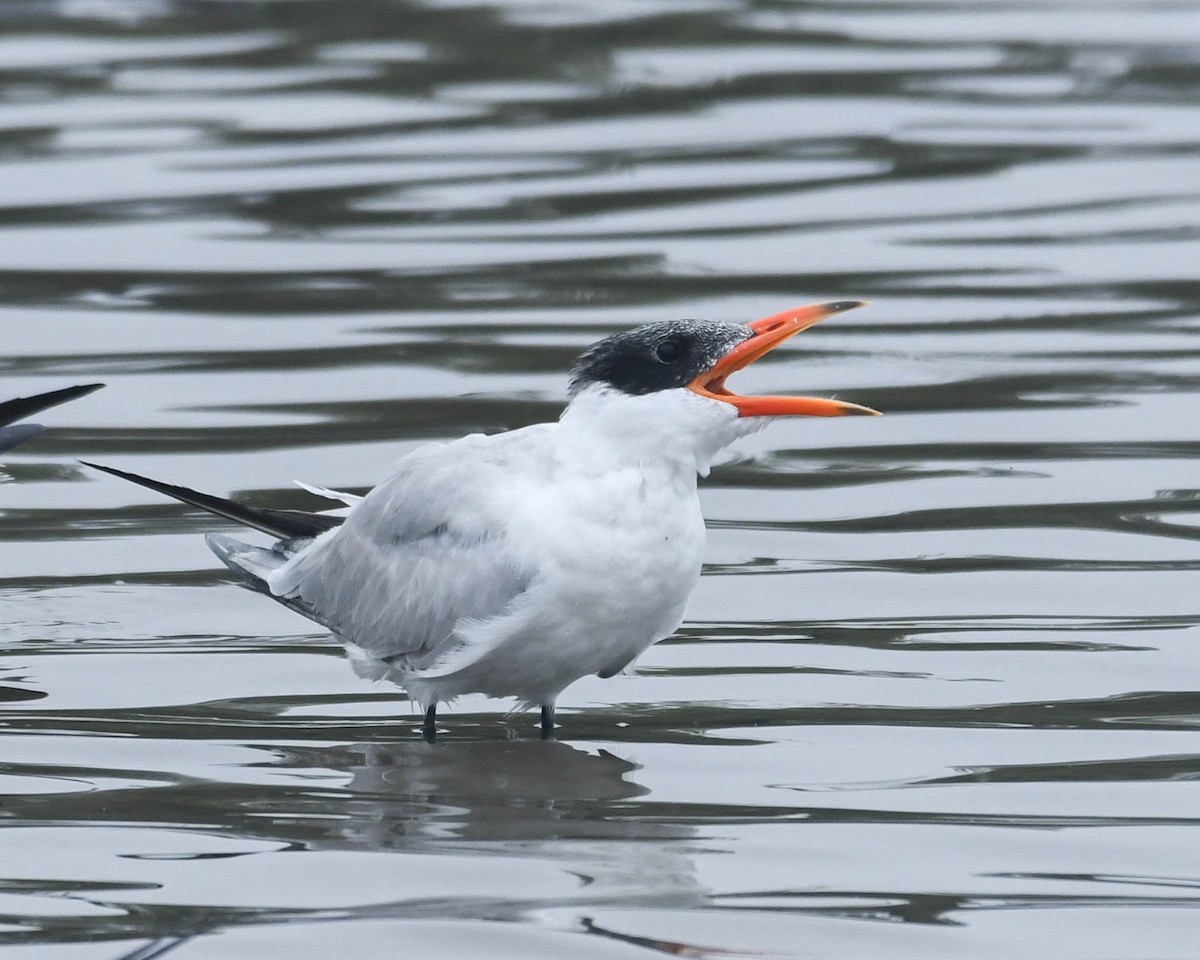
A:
(936, 696)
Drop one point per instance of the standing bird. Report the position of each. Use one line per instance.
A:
(21, 407)
(512, 565)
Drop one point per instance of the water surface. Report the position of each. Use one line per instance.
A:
(935, 695)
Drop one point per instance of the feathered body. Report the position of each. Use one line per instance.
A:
(513, 565)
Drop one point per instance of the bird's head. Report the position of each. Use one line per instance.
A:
(664, 383)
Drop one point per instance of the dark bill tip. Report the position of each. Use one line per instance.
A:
(840, 306)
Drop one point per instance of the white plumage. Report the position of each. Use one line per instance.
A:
(512, 565)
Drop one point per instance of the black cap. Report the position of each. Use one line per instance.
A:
(657, 356)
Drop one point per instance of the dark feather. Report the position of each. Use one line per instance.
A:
(21, 407)
(278, 523)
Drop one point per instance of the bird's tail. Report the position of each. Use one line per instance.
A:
(252, 565)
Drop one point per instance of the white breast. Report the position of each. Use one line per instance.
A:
(601, 510)
(617, 553)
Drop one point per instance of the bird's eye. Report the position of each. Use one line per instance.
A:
(668, 351)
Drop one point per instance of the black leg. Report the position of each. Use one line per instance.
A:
(429, 727)
(547, 721)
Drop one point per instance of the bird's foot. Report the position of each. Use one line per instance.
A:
(429, 727)
(548, 721)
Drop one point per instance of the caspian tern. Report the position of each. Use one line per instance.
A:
(21, 407)
(512, 565)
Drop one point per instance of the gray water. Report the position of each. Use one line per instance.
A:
(937, 692)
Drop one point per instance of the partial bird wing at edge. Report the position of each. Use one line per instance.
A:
(20, 407)
(11, 436)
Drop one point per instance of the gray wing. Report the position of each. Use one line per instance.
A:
(421, 552)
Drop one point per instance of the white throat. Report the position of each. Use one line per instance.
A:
(676, 427)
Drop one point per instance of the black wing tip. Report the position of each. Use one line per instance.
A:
(100, 466)
(70, 393)
(52, 398)
(285, 524)
(20, 407)
(133, 477)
